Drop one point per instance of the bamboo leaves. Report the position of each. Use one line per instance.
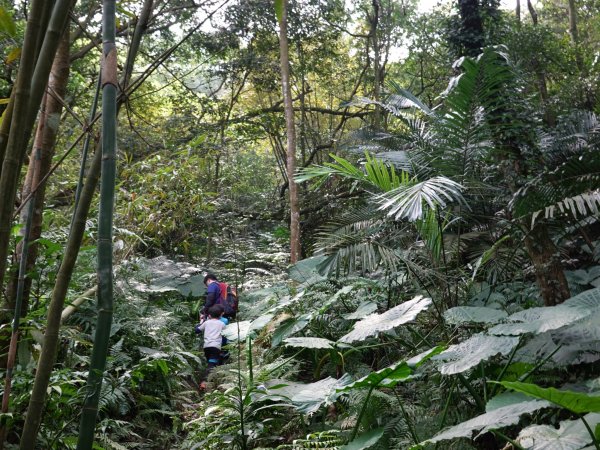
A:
(7, 24)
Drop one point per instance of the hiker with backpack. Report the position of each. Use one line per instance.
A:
(219, 293)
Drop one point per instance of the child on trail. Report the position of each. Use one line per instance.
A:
(213, 335)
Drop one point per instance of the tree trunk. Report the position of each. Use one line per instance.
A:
(532, 12)
(575, 34)
(105, 225)
(28, 96)
(48, 355)
(374, 37)
(509, 137)
(44, 142)
(549, 116)
(291, 137)
(59, 293)
(471, 27)
(518, 12)
(14, 339)
(13, 151)
(549, 272)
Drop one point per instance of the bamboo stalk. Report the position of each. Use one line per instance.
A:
(13, 153)
(105, 224)
(14, 338)
(86, 146)
(49, 347)
(75, 304)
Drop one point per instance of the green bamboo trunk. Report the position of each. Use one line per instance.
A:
(105, 223)
(12, 157)
(14, 339)
(49, 347)
(28, 97)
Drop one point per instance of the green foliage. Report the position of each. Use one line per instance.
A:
(573, 401)
(496, 419)
(375, 323)
(429, 214)
(480, 347)
(366, 440)
(473, 314)
(571, 435)
(7, 24)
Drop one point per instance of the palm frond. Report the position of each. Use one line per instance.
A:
(570, 177)
(375, 173)
(408, 202)
(362, 239)
(584, 204)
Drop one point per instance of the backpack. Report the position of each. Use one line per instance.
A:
(228, 299)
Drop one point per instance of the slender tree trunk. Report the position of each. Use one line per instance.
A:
(532, 12)
(27, 101)
(44, 142)
(140, 29)
(518, 12)
(374, 37)
(14, 339)
(575, 34)
(105, 225)
(82, 206)
(14, 151)
(59, 293)
(549, 116)
(291, 137)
